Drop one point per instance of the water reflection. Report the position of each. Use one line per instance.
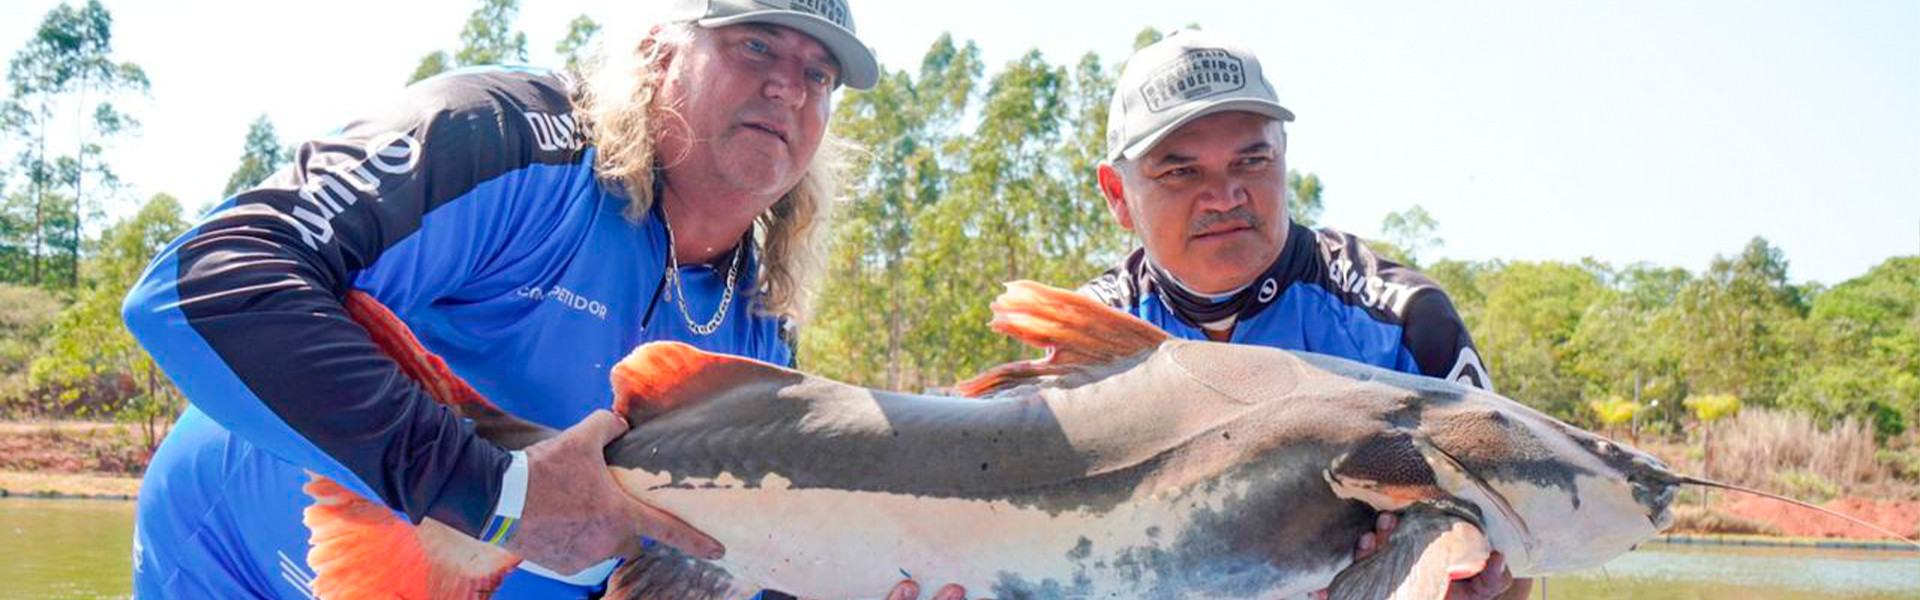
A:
(65, 549)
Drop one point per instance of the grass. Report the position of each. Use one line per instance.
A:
(1693, 519)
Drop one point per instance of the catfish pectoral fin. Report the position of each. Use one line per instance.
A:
(363, 551)
(1418, 560)
(663, 572)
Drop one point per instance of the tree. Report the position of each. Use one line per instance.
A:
(1864, 358)
(68, 63)
(1407, 234)
(262, 156)
(580, 34)
(434, 63)
(939, 216)
(489, 38)
(1303, 197)
(1737, 321)
(1531, 312)
(88, 347)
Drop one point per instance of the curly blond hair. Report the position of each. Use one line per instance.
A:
(617, 103)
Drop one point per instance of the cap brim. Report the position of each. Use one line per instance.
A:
(858, 69)
(1252, 105)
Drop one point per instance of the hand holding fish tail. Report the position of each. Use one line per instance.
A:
(576, 516)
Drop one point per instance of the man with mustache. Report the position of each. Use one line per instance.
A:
(531, 229)
(1196, 167)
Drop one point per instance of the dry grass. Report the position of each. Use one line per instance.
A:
(1756, 447)
(1693, 519)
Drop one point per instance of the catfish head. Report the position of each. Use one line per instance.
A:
(1553, 497)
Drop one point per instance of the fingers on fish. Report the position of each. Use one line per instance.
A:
(361, 549)
(1075, 329)
(1429, 549)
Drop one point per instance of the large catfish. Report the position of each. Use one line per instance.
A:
(1123, 465)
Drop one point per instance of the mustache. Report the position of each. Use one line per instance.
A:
(1239, 214)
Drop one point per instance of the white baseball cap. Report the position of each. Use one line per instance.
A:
(828, 21)
(1186, 76)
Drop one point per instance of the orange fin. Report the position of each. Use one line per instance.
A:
(1074, 329)
(432, 373)
(398, 342)
(661, 376)
(361, 549)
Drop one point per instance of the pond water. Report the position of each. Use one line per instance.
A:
(80, 549)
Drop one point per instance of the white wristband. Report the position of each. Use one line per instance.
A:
(513, 498)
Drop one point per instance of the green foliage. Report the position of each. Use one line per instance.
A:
(1531, 313)
(1615, 411)
(65, 71)
(963, 184)
(263, 155)
(1407, 234)
(1303, 197)
(1708, 408)
(434, 63)
(580, 34)
(489, 38)
(88, 357)
(26, 315)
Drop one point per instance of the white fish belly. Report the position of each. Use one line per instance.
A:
(830, 544)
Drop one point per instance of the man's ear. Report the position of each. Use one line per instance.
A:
(1116, 193)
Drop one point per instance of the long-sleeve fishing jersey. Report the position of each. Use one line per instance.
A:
(470, 208)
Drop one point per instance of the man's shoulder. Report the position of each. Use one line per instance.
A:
(507, 94)
(1354, 274)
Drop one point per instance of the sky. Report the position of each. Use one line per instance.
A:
(1627, 131)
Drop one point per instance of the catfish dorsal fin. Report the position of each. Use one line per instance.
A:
(398, 343)
(1075, 330)
(432, 373)
(661, 376)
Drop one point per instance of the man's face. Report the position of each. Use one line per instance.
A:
(752, 103)
(1209, 200)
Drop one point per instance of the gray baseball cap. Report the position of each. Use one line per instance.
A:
(828, 21)
(1186, 76)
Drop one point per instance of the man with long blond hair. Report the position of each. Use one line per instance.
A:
(530, 228)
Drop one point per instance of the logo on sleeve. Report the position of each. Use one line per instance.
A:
(329, 191)
(554, 133)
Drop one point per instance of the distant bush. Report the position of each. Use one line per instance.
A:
(26, 315)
